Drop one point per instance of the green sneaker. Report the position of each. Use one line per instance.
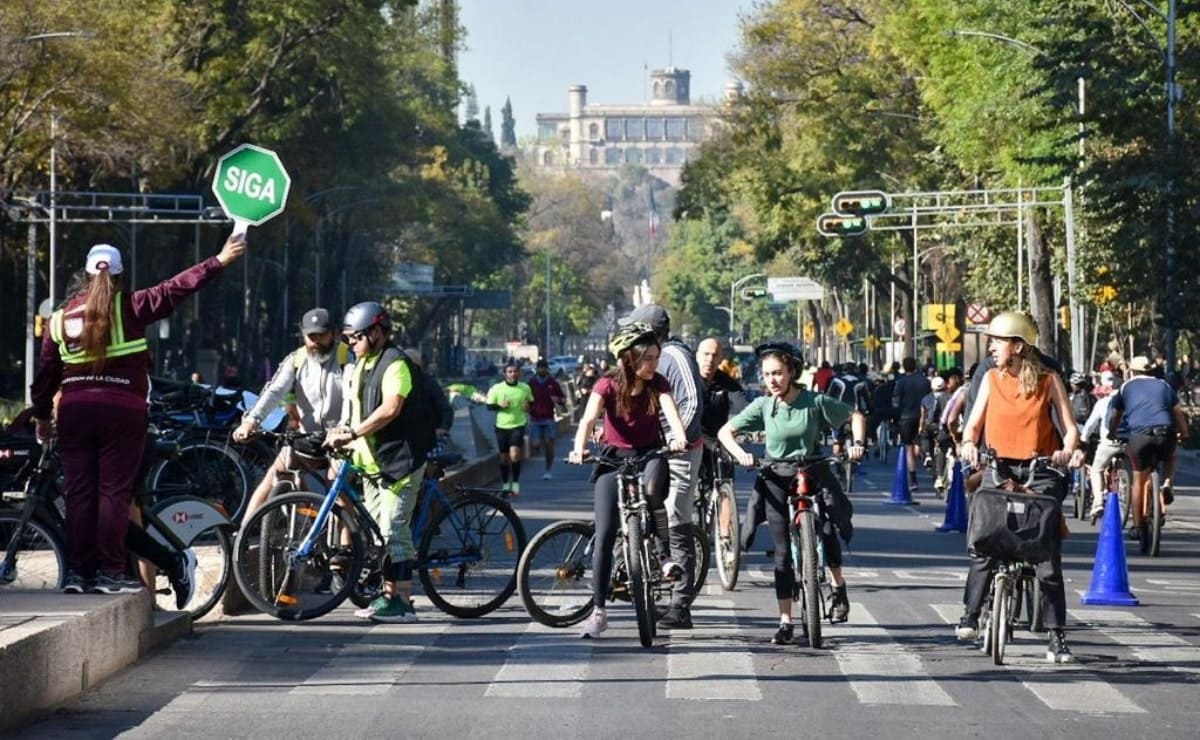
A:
(368, 611)
(397, 609)
(516, 488)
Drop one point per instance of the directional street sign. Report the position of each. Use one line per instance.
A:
(251, 185)
(871, 342)
(794, 289)
(843, 327)
(810, 333)
(940, 317)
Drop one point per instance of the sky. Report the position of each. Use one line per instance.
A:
(533, 50)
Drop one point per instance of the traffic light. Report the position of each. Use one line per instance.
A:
(861, 203)
(831, 224)
(749, 294)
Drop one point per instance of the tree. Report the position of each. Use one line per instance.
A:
(487, 123)
(508, 128)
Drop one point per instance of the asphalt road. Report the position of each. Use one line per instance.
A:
(894, 670)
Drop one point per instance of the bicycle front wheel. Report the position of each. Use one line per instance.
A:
(1155, 513)
(33, 554)
(1001, 604)
(554, 575)
(290, 586)
(639, 588)
(726, 536)
(467, 560)
(213, 550)
(809, 587)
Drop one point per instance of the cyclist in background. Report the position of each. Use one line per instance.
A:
(630, 400)
(309, 381)
(793, 419)
(910, 388)
(932, 406)
(1106, 449)
(1014, 403)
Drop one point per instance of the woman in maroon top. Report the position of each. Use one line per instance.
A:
(629, 400)
(95, 355)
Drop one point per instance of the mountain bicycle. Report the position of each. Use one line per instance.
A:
(33, 535)
(716, 512)
(304, 553)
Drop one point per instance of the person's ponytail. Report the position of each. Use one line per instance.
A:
(98, 317)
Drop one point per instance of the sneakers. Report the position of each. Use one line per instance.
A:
(395, 610)
(928, 462)
(595, 624)
(546, 475)
(1168, 495)
(507, 486)
(671, 570)
(109, 582)
(783, 635)
(967, 629)
(369, 610)
(677, 618)
(1057, 651)
(839, 610)
(183, 578)
(75, 584)
(515, 488)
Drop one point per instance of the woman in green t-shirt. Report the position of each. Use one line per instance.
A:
(792, 419)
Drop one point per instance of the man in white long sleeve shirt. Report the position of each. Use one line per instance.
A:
(309, 381)
(1097, 421)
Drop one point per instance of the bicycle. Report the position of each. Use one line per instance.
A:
(1013, 582)
(555, 569)
(304, 553)
(813, 589)
(34, 536)
(716, 511)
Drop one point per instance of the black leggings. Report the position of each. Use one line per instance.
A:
(655, 475)
(774, 491)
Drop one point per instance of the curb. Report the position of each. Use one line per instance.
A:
(54, 647)
(476, 472)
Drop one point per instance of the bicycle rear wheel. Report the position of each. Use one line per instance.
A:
(726, 547)
(1155, 514)
(33, 555)
(213, 550)
(639, 587)
(554, 575)
(213, 469)
(1000, 617)
(809, 588)
(290, 587)
(467, 559)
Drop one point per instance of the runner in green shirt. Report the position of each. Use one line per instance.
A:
(510, 400)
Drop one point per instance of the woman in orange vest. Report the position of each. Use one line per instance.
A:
(96, 354)
(1014, 406)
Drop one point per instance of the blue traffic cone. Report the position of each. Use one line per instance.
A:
(1110, 576)
(956, 503)
(901, 495)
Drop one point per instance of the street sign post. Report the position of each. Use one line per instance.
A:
(794, 289)
(251, 185)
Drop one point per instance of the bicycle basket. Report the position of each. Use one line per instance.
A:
(1012, 526)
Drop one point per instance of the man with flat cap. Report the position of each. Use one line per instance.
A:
(309, 383)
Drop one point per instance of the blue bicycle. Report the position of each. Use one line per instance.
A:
(303, 553)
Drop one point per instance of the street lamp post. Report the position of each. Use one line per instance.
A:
(732, 290)
(547, 350)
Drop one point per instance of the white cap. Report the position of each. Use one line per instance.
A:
(104, 257)
(937, 383)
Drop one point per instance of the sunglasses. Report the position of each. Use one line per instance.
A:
(354, 337)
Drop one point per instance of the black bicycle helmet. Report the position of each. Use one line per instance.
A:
(784, 348)
(363, 316)
(630, 334)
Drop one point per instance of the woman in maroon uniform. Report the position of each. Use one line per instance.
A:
(95, 354)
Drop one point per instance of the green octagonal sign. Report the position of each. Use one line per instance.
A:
(251, 185)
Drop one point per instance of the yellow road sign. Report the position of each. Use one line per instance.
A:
(843, 327)
(947, 333)
(810, 333)
(871, 342)
(949, 346)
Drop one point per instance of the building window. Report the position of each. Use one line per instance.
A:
(653, 155)
(669, 89)
(547, 132)
(674, 155)
(593, 156)
(612, 155)
(633, 155)
(674, 129)
(547, 158)
(612, 129)
(654, 129)
(657, 88)
(635, 129)
(593, 131)
(695, 129)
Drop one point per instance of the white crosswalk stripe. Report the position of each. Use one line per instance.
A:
(880, 670)
(705, 674)
(1148, 643)
(544, 662)
(1078, 694)
(372, 665)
